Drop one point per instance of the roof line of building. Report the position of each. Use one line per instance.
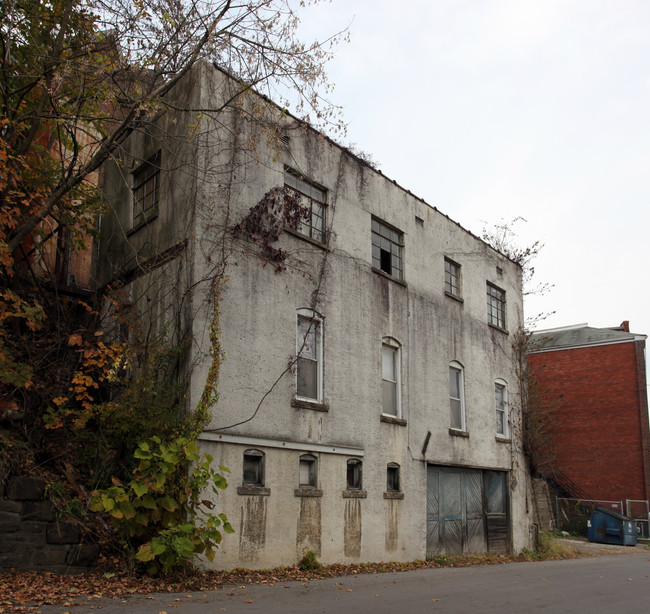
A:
(557, 348)
(364, 162)
(560, 328)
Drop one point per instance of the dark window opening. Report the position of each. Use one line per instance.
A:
(253, 467)
(146, 188)
(354, 477)
(387, 246)
(313, 205)
(392, 477)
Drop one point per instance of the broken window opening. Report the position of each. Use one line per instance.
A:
(253, 467)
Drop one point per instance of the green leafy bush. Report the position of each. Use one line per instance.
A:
(309, 562)
(160, 513)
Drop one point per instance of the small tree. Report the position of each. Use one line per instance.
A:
(537, 407)
(77, 79)
(503, 238)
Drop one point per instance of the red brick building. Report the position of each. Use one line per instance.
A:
(594, 383)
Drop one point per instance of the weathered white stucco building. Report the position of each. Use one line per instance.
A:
(368, 399)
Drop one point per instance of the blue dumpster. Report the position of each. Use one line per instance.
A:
(609, 527)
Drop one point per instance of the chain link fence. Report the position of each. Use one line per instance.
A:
(639, 512)
(572, 514)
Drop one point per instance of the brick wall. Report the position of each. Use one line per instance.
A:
(600, 417)
(31, 537)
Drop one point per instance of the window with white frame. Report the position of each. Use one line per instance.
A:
(313, 205)
(501, 405)
(308, 471)
(457, 396)
(387, 245)
(452, 278)
(496, 306)
(253, 467)
(146, 188)
(309, 352)
(392, 478)
(354, 477)
(390, 376)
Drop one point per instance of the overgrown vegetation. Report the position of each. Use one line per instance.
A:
(309, 562)
(82, 387)
(161, 513)
(502, 237)
(537, 406)
(550, 547)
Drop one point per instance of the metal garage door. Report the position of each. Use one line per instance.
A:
(466, 511)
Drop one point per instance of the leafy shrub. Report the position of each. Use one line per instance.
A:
(160, 511)
(309, 562)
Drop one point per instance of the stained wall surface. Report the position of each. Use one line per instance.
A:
(359, 308)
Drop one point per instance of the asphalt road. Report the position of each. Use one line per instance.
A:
(613, 583)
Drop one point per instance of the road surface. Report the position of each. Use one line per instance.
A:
(617, 584)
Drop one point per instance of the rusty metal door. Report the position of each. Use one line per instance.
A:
(451, 512)
(496, 512)
(455, 511)
(474, 519)
(433, 511)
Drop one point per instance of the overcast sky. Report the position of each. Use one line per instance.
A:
(493, 109)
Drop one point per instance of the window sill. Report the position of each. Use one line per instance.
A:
(381, 273)
(456, 298)
(501, 330)
(458, 433)
(392, 419)
(253, 489)
(502, 439)
(393, 494)
(354, 494)
(308, 492)
(303, 237)
(141, 225)
(313, 405)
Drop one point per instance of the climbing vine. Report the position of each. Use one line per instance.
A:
(278, 209)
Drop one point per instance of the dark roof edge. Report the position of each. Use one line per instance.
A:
(557, 348)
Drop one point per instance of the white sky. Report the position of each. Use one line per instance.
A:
(492, 109)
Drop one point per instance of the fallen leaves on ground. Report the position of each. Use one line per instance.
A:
(22, 591)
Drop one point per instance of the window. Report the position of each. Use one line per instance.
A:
(392, 477)
(146, 184)
(390, 385)
(354, 477)
(501, 404)
(456, 396)
(452, 277)
(387, 246)
(309, 366)
(312, 201)
(496, 304)
(253, 467)
(307, 471)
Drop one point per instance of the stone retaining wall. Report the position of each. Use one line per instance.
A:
(31, 537)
